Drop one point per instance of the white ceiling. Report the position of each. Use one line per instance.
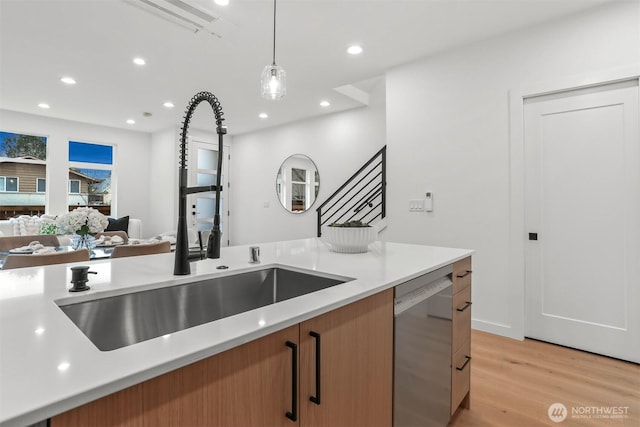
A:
(95, 41)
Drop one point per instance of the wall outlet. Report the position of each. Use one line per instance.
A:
(416, 205)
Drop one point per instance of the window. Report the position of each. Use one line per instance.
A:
(74, 186)
(9, 183)
(23, 158)
(92, 169)
(41, 185)
(298, 175)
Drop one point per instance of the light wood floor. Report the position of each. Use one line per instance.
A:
(513, 383)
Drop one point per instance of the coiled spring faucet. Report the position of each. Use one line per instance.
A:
(181, 265)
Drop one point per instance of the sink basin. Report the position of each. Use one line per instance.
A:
(123, 320)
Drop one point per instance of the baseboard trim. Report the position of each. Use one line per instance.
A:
(496, 328)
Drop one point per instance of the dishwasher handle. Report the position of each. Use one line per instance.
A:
(406, 301)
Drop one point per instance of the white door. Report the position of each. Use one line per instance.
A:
(582, 195)
(203, 164)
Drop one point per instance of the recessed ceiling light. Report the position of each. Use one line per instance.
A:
(325, 103)
(221, 2)
(168, 104)
(355, 50)
(139, 61)
(131, 122)
(44, 105)
(63, 366)
(263, 115)
(68, 80)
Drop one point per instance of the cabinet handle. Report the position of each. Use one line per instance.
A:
(316, 399)
(293, 415)
(464, 365)
(465, 306)
(465, 274)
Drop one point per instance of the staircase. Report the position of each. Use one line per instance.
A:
(362, 197)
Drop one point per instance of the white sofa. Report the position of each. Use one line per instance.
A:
(31, 226)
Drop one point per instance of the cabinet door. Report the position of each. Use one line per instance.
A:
(122, 409)
(250, 385)
(354, 381)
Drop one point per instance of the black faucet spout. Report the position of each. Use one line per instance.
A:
(181, 264)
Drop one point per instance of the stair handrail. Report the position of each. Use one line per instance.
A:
(380, 153)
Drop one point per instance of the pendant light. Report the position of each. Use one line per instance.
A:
(274, 78)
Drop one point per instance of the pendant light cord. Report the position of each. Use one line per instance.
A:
(274, 32)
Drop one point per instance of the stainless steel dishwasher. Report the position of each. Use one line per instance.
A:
(422, 350)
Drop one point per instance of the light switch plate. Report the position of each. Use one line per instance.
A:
(416, 205)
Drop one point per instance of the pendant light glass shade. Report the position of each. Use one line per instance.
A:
(274, 82)
(274, 78)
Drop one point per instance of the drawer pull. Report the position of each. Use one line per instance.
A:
(465, 274)
(316, 399)
(293, 415)
(464, 365)
(465, 306)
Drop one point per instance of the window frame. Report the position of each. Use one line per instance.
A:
(99, 166)
(37, 185)
(5, 179)
(79, 186)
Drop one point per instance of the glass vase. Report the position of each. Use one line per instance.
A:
(83, 241)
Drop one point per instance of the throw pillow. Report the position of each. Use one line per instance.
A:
(25, 225)
(118, 224)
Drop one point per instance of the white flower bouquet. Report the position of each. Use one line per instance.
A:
(82, 221)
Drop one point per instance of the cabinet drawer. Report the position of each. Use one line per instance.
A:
(460, 376)
(461, 319)
(461, 274)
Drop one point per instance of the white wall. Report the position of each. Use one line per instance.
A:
(337, 143)
(131, 159)
(164, 177)
(448, 132)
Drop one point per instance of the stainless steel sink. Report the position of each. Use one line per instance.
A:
(123, 320)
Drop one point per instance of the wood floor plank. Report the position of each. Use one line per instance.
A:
(513, 383)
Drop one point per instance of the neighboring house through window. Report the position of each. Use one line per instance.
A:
(23, 163)
(90, 175)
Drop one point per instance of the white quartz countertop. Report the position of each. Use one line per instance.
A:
(48, 366)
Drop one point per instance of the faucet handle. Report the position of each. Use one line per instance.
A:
(254, 254)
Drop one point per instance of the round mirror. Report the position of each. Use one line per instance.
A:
(297, 183)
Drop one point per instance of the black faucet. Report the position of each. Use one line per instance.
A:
(181, 265)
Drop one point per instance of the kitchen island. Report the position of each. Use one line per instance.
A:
(48, 366)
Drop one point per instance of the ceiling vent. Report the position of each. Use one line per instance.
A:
(181, 12)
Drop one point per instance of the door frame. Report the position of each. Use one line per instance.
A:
(517, 231)
(226, 147)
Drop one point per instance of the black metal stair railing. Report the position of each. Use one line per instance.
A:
(362, 197)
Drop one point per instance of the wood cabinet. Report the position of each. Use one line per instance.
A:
(461, 336)
(249, 385)
(356, 357)
(253, 384)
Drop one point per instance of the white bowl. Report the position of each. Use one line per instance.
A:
(349, 240)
